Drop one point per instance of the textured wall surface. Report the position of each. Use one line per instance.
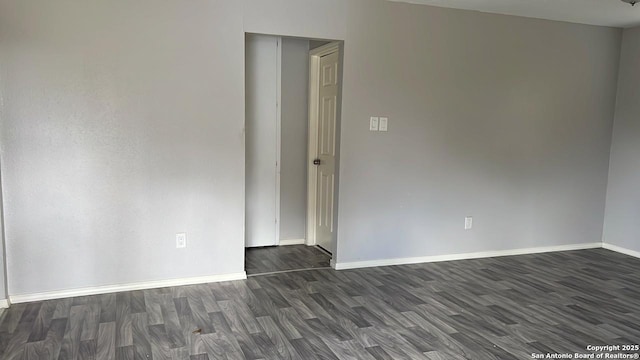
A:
(622, 224)
(3, 274)
(502, 118)
(122, 125)
(294, 134)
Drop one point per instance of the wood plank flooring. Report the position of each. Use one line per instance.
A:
(279, 258)
(498, 308)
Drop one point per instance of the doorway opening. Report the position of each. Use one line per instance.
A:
(292, 121)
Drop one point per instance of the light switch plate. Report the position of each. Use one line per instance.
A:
(468, 223)
(373, 123)
(383, 124)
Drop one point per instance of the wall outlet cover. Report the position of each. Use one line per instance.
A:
(181, 240)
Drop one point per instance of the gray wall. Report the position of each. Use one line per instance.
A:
(261, 139)
(314, 44)
(122, 125)
(3, 274)
(295, 113)
(503, 118)
(622, 224)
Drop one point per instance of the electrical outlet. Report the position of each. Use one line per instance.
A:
(181, 240)
(468, 223)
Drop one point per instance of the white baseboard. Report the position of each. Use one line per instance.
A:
(464, 256)
(60, 294)
(621, 250)
(291, 242)
(4, 303)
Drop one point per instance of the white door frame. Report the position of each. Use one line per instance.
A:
(312, 170)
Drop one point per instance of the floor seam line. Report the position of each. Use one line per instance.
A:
(288, 271)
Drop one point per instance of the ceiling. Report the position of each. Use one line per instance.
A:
(594, 12)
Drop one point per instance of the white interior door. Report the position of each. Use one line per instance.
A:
(326, 150)
(261, 140)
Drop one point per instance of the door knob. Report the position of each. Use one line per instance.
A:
(316, 162)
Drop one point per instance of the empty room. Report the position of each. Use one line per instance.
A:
(319, 179)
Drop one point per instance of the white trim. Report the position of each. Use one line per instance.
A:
(292, 242)
(621, 250)
(464, 256)
(59, 294)
(278, 132)
(312, 176)
(312, 171)
(4, 303)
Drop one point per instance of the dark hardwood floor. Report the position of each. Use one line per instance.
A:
(498, 308)
(280, 258)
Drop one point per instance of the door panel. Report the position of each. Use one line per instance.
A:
(327, 95)
(327, 124)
